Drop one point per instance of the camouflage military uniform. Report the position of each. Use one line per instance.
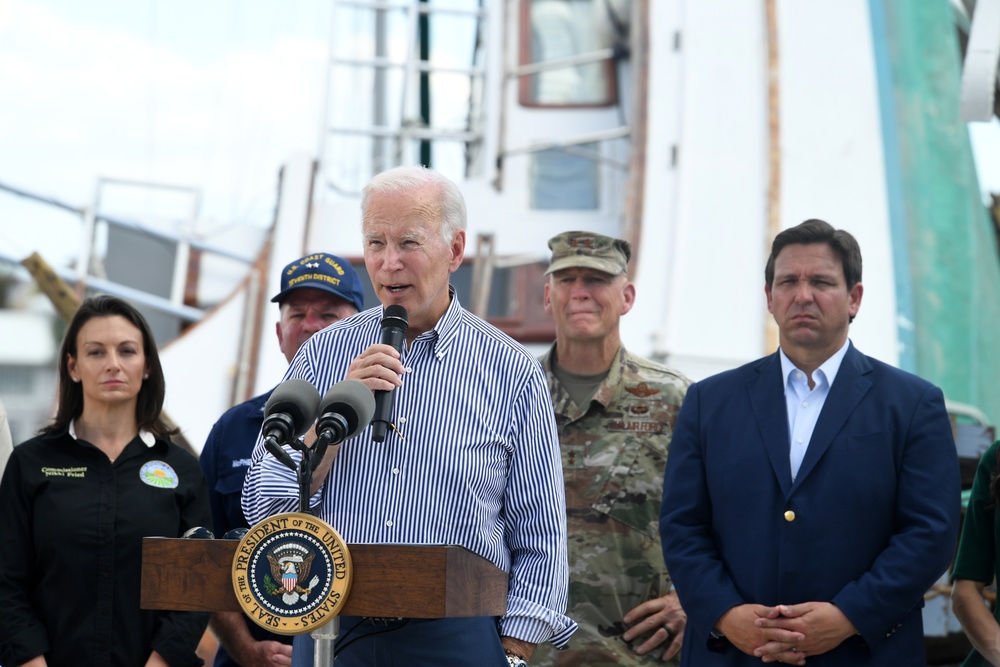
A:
(613, 457)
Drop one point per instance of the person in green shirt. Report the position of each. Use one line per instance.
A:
(976, 564)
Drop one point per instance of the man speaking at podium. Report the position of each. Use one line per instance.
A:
(470, 456)
(315, 291)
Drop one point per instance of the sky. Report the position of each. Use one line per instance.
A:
(211, 96)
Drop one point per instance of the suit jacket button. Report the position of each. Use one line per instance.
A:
(789, 516)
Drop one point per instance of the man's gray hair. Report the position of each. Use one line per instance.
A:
(399, 180)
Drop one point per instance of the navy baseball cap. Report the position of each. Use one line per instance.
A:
(323, 272)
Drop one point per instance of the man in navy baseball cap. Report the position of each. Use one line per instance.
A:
(323, 272)
(316, 291)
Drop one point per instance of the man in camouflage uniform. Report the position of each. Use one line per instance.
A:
(615, 413)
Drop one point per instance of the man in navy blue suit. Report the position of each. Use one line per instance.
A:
(810, 497)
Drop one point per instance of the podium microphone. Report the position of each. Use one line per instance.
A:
(346, 409)
(288, 413)
(394, 325)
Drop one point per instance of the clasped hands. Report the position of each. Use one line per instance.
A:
(786, 633)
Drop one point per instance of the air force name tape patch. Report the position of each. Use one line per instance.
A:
(292, 573)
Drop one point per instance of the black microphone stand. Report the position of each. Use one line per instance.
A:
(304, 476)
(334, 431)
(331, 428)
(303, 469)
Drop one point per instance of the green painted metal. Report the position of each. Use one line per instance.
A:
(954, 263)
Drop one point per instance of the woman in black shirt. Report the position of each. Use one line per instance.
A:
(76, 501)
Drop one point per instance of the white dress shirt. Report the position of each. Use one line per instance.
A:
(805, 404)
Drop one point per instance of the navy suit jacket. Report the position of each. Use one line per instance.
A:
(876, 507)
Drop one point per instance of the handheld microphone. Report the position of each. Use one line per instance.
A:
(346, 409)
(288, 413)
(394, 325)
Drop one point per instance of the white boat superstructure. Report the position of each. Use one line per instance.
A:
(695, 129)
(667, 141)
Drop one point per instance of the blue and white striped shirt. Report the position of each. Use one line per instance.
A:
(477, 465)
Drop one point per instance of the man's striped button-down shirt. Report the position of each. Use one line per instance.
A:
(474, 461)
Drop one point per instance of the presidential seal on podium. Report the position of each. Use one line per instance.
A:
(292, 573)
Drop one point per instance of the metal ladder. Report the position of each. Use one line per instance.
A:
(382, 99)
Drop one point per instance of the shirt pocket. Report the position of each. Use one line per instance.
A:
(633, 488)
(229, 489)
(231, 482)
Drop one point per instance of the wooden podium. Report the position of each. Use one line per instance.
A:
(390, 580)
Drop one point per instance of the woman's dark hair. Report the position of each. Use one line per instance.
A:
(149, 404)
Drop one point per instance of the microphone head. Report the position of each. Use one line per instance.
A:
(395, 316)
(352, 400)
(298, 399)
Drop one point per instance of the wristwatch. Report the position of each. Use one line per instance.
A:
(717, 641)
(514, 661)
